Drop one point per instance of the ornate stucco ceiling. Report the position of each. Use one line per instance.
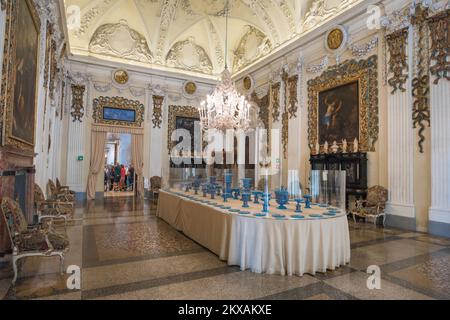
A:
(189, 35)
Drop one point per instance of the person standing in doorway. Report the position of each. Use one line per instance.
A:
(131, 177)
(117, 170)
(123, 173)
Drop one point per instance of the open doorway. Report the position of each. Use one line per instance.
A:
(119, 174)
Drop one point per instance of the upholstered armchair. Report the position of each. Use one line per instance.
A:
(51, 209)
(63, 189)
(54, 194)
(374, 207)
(155, 186)
(31, 241)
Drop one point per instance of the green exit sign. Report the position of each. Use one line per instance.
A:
(80, 158)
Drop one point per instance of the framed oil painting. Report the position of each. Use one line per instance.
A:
(118, 111)
(339, 113)
(181, 117)
(20, 74)
(343, 104)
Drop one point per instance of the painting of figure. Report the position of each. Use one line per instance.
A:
(339, 113)
(188, 124)
(24, 101)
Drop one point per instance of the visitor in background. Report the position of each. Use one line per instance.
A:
(123, 174)
(117, 170)
(111, 177)
(131, 178)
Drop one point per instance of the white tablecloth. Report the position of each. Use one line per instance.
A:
(263, 245)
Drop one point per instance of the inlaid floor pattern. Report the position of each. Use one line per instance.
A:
(125, 252)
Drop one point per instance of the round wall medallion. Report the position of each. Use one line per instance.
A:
(121, 77)
(190, 88)
(336, 39)
(248, 83)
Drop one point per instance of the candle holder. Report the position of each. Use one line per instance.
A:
(282, 197)
(298, 208)
(307, 201)
(246, 197)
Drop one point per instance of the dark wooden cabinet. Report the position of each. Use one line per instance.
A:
(355, 165)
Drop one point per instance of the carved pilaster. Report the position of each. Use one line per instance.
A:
(158, 102)
(77, 102)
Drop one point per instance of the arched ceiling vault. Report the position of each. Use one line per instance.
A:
(189, 35)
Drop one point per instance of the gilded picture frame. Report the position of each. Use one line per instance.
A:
(18, 99)
(119, 104)
(364, 73)
(176, 112)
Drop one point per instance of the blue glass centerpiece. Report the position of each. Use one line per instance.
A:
(227, 192)
(282, 197)
(205, 189)
(256, 194)
(307, 201)
(247, 184)
(196, 185)
(266, 201)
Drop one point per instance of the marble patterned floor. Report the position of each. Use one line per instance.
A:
(125, 252)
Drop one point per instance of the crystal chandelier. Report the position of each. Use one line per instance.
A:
(225, 109)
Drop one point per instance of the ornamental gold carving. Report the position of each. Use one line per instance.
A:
(398, 64)
(157, 111)
(77, 112)
(275, 101)
(364, 73)
(440, 45)
(178, 111)
(421, 83)
(292, 84)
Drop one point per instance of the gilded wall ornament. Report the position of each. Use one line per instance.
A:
(398, 62)
(119, 40)
(275, 101)
(158, 102)
(118, 111)
(421, 82)
(365, 73)
(121, 77)
(248, 83)
(336, 38)
(292, 107)
(178, 111)
(285, 134)
(190, 88)
(264, 114)
(440, 45)
(77, 112)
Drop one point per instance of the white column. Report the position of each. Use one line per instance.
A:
(401, 143)
(440, 153)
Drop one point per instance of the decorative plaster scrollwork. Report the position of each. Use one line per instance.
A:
(189, 56)
(158, 102)
(360, 51)
(102, 87)
(440, 45)
(398, 62)
(318, 68)
(137, 92)
(119, 40)
(421, 83)
(241, 54)
(77, 102)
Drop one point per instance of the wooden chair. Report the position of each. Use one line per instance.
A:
(54, 194)
(31, 241)
(60, 188)
(374, 207)
(155, 186)
(51, 209)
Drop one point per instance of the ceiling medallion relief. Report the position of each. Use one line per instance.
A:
(189, 56)
(320, 11)
(253, 45)
(119, 40)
